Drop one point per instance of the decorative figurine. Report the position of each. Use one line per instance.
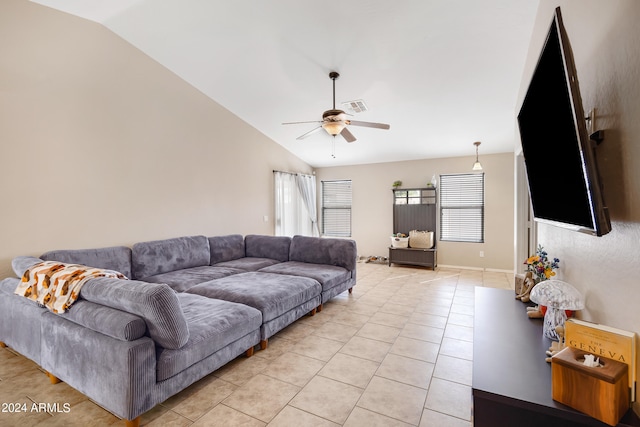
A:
(527, 286)
(556, 346)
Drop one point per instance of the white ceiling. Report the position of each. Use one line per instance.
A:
(442, 73)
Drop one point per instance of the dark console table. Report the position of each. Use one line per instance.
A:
(413, 256)
(511, 380)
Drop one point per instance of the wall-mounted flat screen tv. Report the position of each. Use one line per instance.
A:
(559, 156)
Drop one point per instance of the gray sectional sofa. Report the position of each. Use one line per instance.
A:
(193, 304)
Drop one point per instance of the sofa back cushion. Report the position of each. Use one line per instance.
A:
(117, 258)
(317, 250)
(162, 256)
(274, 247)
(156, 303)
(226, 248)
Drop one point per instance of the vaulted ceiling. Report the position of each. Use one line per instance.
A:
(441, 73)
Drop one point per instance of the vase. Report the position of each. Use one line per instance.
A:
(553, 318)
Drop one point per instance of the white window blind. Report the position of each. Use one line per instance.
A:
(462, 207)
(336, 208)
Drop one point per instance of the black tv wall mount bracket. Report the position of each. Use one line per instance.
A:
(596, 136)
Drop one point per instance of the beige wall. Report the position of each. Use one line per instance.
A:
(372, 219)
(606, 46)
(100, 145)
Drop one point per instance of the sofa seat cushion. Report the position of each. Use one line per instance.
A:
(248, 263)
(181, 280)
(327, 275)
(272, 294)
(213, 324)
(162, 256)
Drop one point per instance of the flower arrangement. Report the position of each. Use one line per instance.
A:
(540, 265)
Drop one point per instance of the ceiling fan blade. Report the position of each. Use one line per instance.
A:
(298, 123)
(369, 124)
(312, 131)
(346, 134)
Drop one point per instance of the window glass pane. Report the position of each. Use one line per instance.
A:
(414, 201)
(414, 193)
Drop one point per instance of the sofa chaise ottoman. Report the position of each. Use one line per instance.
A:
(282, 299)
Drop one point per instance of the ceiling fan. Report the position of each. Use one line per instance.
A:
(335, 121)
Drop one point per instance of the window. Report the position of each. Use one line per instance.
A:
(291, 214)
(462, 207)
(414, 197)
(336, 208)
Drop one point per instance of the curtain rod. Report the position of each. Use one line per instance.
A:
(293, 173)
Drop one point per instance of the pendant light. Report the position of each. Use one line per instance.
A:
(477, 166)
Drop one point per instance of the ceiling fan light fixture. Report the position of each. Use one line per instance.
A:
(334, 128)
(335, 122)
(477, 166)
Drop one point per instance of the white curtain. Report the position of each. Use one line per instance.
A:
(307, 187)
(292, 216)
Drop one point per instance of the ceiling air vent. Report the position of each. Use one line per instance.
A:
(357, 106)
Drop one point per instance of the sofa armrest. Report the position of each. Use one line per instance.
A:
(156, 303)
(117, 375)
(20, 264)
(317, 250)
(106, 320)
(9, 285)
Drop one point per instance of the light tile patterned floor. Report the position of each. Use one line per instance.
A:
(396, 352)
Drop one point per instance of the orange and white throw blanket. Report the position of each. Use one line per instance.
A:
(56, 285)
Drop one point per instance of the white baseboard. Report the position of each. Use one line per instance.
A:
(497, 270)
(464, 267)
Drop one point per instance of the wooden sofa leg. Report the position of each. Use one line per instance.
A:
(132, 423)
(313, 312)
(319, 308)
(249, 352)
(53, 379)
(263, 344)
(350, 290)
